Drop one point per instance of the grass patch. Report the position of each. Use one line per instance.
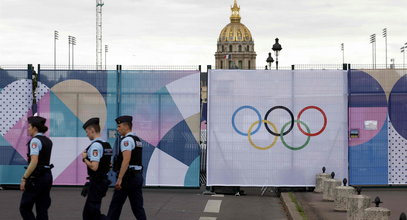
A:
(298, 206)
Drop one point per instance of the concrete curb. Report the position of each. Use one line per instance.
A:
(289, 206)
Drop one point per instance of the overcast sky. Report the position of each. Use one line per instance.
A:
(185, 32)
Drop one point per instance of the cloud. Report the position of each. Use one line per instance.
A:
(183, 32)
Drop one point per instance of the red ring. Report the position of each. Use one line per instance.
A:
(323, 114)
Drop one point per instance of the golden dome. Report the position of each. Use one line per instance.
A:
(235, 31)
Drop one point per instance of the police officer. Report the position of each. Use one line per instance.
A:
(129, 167)
(37, 180)
(97, 160)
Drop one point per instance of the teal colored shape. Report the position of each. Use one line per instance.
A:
(111, 104)
(63, 121)
(3, 141)
(192, 176)
(11, 174)
(163, 90)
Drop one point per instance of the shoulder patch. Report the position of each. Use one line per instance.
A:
(34, 145)
(126, 143)
(95, 153)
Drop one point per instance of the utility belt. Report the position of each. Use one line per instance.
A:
(131, 172)
(41, 170)
(97, 177)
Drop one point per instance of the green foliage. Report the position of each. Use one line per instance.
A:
(298, 206)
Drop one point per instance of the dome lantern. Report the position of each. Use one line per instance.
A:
(235, 17)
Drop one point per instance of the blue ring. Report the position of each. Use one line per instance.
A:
(258, 115)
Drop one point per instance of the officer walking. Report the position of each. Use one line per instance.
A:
(37, 180)
(97, 160)
(129, 167)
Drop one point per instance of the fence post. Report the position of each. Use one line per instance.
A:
(208, 189)
(118, 89)
(29, 71)
(345, 66)
(30, 76)
(35, 81)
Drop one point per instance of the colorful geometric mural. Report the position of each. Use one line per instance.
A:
(164, 104)
(15, 105)
(165, 108)
(376, 110)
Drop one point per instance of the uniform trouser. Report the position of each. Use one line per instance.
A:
(131, 187)
(37, 191)
(97, 190)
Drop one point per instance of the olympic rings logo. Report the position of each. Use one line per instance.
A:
(274, 131)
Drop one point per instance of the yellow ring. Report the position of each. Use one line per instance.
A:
(250, 138)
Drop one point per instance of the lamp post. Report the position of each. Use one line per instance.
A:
(405, 47)
(277, 48)
(373, 42)
(56, 37)
(385, 38)
(73, 44)
(106, 50)
(343, 52)
(269, 60)
(403, 50)
(69, 51)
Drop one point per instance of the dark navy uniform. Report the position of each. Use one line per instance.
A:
(132, 180)
(38, 185)
(99, 151)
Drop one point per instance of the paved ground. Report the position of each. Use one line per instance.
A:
(160, 204)
(394, 199)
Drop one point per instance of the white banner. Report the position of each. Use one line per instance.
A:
(276, 128)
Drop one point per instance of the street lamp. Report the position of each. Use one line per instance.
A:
(56, 37)
(69, 51)
(73, 44)
(277, 48)
(403, 50)
(269, 60)
(106, 50)
(373, 42)
(385, 37)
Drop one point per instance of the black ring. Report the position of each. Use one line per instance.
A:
(289, 112)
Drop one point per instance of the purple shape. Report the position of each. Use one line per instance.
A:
(365, 90)
(398, 106)
(357, 117)
(74, 174)
(17, 136)
(43, 109)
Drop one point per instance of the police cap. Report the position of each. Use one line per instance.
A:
(124, 118)
(91, 122)
(37, 121)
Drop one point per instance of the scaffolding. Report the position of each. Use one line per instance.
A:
(99, 5)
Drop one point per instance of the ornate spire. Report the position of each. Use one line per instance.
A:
(235, 17)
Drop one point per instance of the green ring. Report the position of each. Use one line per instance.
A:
(288, 146)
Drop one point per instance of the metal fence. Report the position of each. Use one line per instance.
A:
(23, 71)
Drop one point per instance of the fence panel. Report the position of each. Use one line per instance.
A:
(71, 98)
(377, 100)
(165, 104)
(15, 107)
(276, 128)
